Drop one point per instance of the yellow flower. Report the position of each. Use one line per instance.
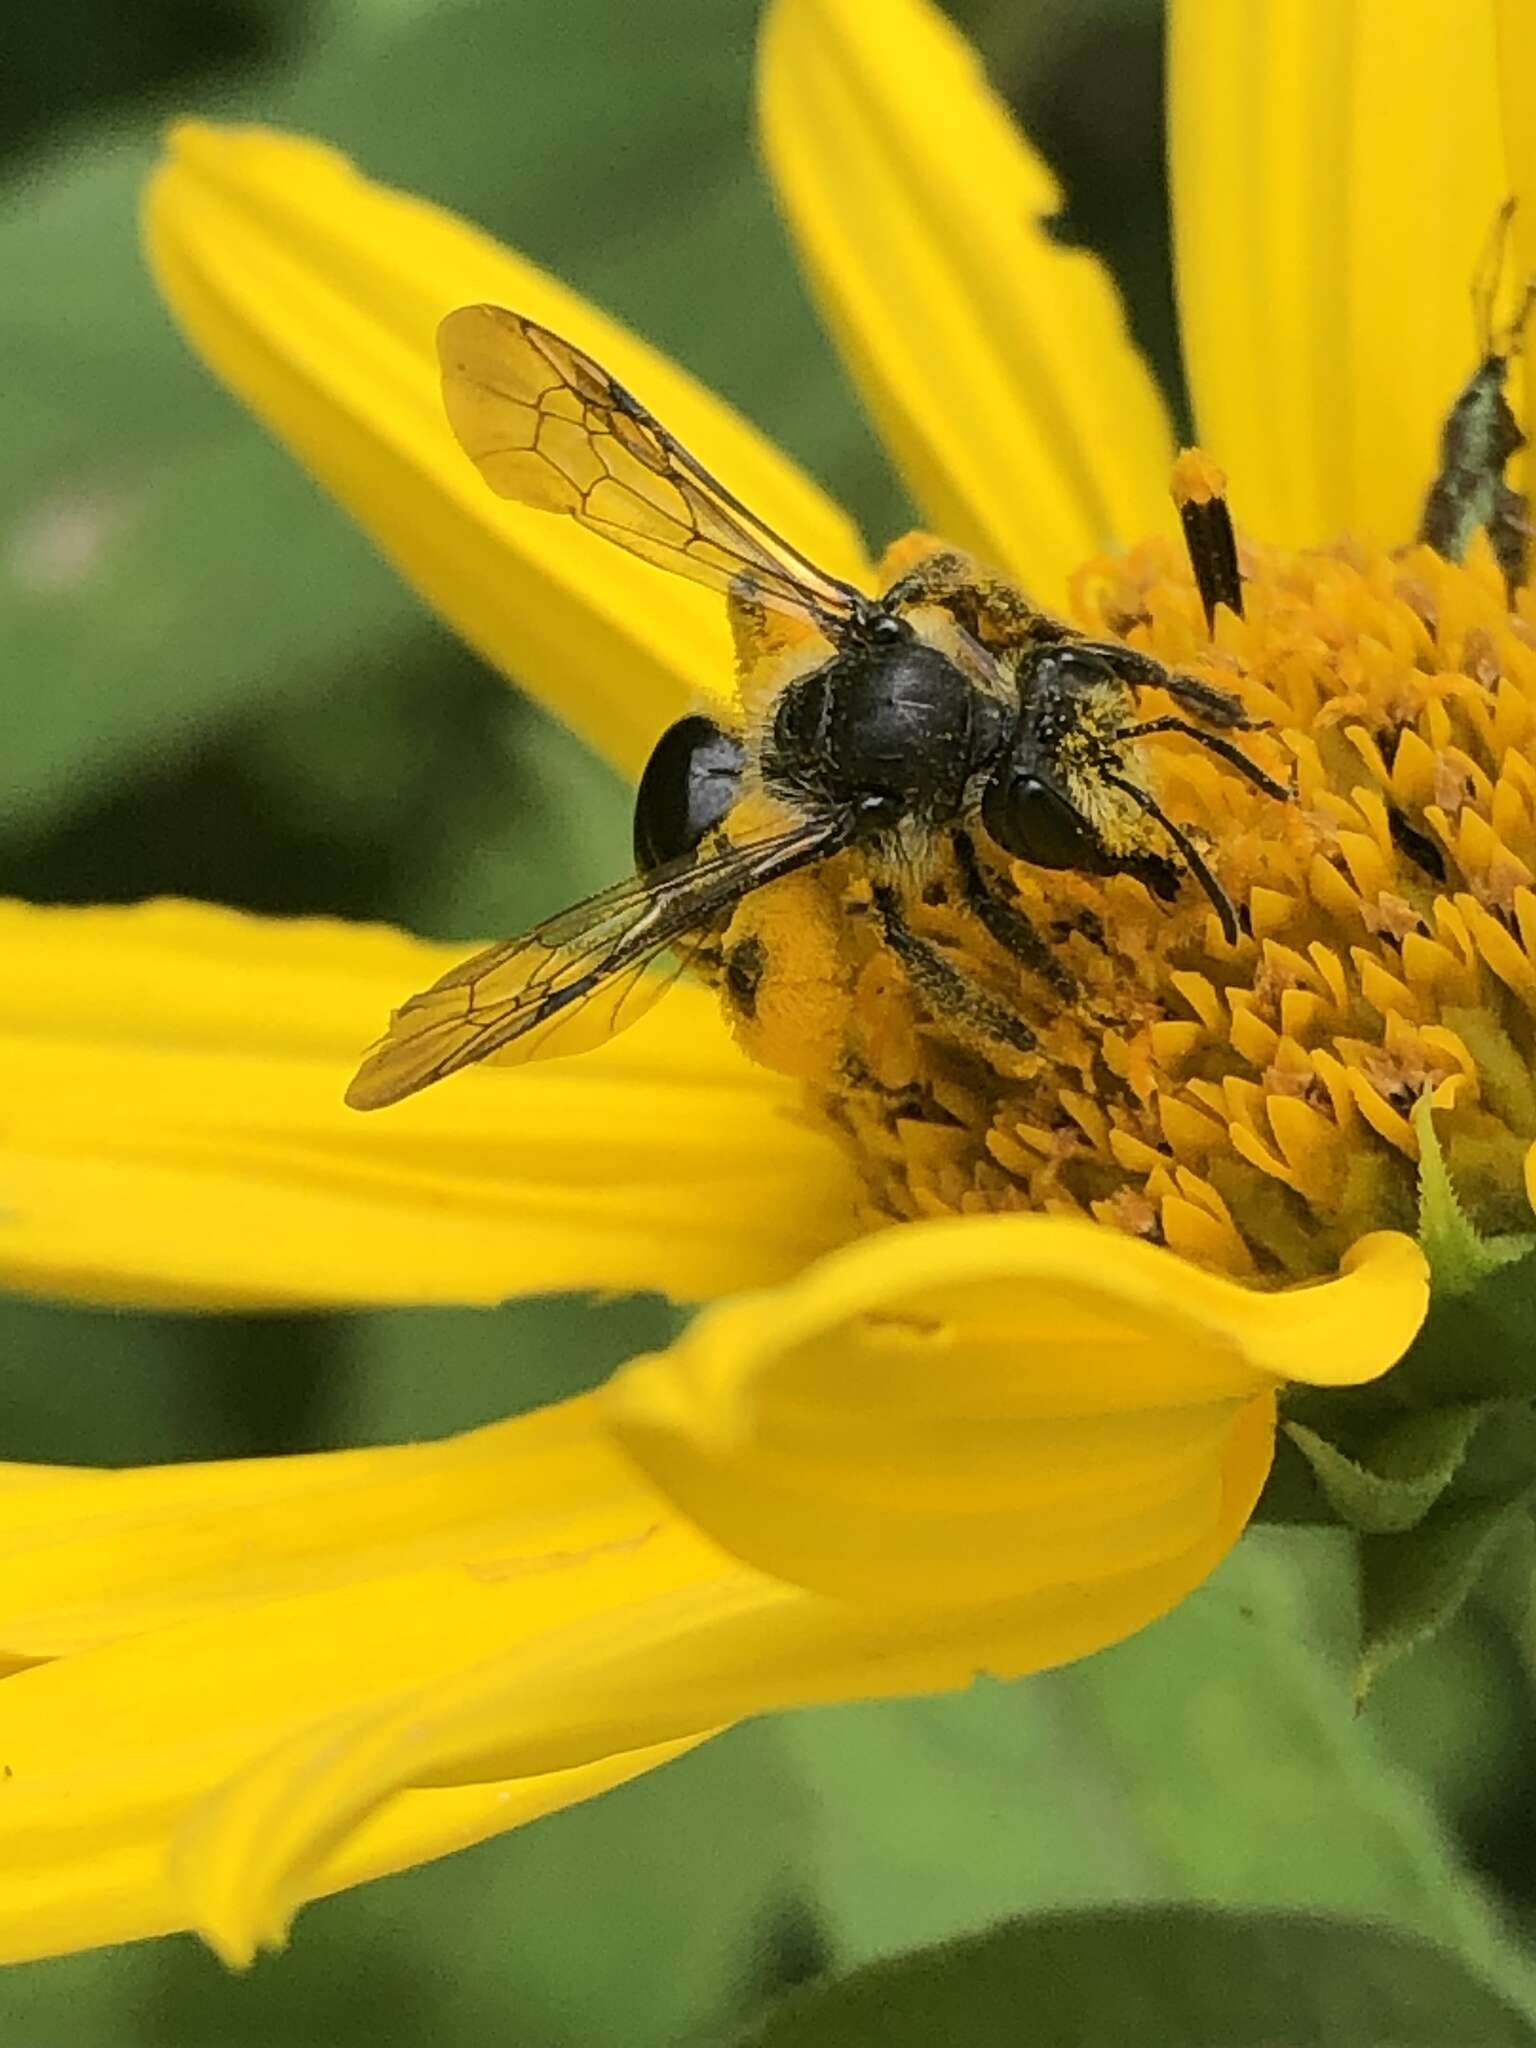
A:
(888, 1458)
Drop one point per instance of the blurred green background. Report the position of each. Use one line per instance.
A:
(211, 687)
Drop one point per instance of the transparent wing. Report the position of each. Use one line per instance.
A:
(546, 425)
(578, 978)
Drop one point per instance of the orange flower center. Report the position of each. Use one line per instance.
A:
(1249, 1103)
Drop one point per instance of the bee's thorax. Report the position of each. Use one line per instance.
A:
(892, 730)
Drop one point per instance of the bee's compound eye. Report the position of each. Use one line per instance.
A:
(1032, 820)
(691, 780)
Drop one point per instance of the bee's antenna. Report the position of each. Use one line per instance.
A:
(1193, 858)
(1498, 345)
(1213, 744)
(1486, 280)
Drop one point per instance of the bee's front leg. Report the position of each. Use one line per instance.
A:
(1213, 744)
(1144, 672)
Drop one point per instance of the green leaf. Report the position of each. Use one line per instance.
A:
(1214, 1758)
(488, 1363)
(1474, 1347)
(1459, 1256)
(1457, 1717)
(1292, 1497)
(163, 567)
(90, 1386)
(1411, 1584)
(1509, 1584)
(1176, 1977)
(1393, 1485)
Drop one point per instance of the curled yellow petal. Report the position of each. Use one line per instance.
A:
(97, 1557)
(995, 361)
(316, 295)
(265, 1599)
(1336, 171)
(959, 1409)
(272, 1679)
(175, 1133)
(730, 1644)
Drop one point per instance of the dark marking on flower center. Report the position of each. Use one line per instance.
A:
(1415, 845)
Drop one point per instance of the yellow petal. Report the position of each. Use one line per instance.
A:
(261, 1599)
(1336, 170)
(63, 1893)
(309, 1671)
(316, 295)
(968, 1407)
(1515, 27)
(94, 1557)
(174, 1132)
(996, 363)
(715, 1651)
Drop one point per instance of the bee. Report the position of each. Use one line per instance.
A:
(944, 710)
(1480, 435)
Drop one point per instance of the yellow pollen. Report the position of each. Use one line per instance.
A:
(1249, 1104)
(1196, 480)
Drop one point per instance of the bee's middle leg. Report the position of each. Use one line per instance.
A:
(952, 996)
(1007, 924)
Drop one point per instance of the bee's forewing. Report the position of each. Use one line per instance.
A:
(438, 1032)
(545, 424)
(579, 977)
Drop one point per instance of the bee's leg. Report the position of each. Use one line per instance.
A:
(1154, 870)
(1162, 877)
(1509, 528)
(953, 997)
(991, 609)
(1006, 923)
(934, 577)
(1145, 672)
(1216, 706)
(1223, 749)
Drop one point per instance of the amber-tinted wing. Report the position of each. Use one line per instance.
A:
(578, 978)
(546, 425)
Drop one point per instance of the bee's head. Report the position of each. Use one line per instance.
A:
(1065, 793)
(877, 624)
(1028, 804)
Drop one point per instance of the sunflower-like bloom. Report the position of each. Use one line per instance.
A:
(990, 1376)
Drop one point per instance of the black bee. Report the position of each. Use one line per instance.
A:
(1481, 435)
(946, 708)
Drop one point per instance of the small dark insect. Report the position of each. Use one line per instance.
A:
(1199, 492)
(1481, 434)
(947, 707)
